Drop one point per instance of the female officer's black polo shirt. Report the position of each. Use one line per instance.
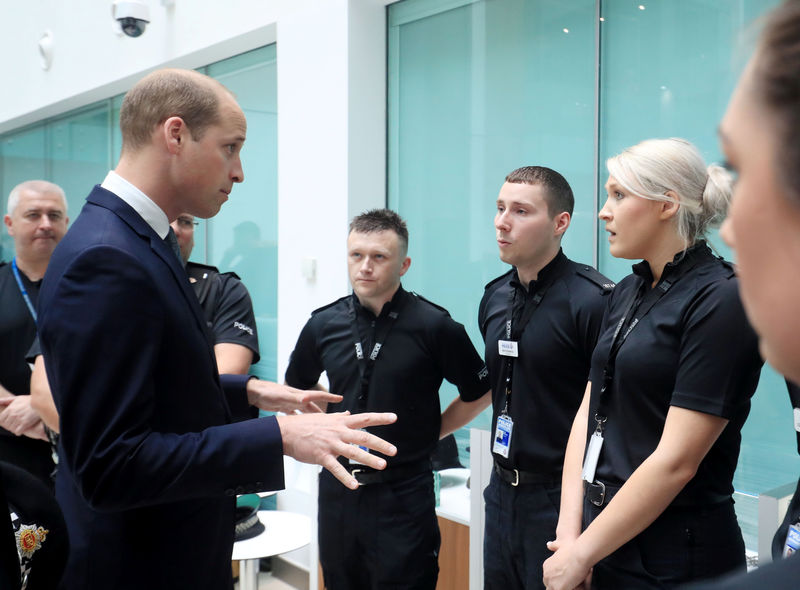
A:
(694, 349)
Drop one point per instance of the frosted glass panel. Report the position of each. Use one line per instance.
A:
(22, 157)
(478, 90)
(78, 153)
(243, 237)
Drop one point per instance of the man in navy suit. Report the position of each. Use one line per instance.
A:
(150, 459)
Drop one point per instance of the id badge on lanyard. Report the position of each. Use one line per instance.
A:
(502, 435)
(792, 544)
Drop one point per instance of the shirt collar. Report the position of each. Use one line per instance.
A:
(551, 268)
(152, 214)
(695, 252)
(387, 307)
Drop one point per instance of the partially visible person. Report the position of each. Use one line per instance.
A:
(759, 135)
(149, 449)
(36, 557)
(36, 219)
(386, 350)
(656, 441)
(540, 322)
(226, 305)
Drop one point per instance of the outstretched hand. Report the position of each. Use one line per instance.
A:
(321, 438)
(273, 397)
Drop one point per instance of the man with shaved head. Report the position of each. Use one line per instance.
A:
(150, 456)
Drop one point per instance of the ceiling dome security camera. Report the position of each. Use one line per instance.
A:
(132, 16)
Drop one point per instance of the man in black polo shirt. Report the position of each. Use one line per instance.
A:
(226, 305)
(36, 219)
(386, 348)
(540, 322)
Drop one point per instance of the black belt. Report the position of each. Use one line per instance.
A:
(599, 493)
(366, 475)
(516, 477)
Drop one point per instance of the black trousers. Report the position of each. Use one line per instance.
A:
(381, 536)
(519, 522)
(684, 544)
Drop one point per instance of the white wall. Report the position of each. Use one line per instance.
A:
(331, 117)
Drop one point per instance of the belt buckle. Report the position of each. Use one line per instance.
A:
(602, 487)
(515, 483)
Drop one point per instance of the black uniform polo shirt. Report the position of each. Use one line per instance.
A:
(423, 347)
(555, 349)
(17, 331)
(694, 349)
(226, 305)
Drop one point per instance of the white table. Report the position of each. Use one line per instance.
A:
(284, 531)
(454, 495)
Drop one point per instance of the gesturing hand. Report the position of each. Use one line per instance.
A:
(274, 397)
(321, 438)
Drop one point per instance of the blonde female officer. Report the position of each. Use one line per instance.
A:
(650, 461)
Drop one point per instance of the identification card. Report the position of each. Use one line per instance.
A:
(592, 456)
(508, 348)
(797, 419)
(356, 461)
(502, 436)
(792, 540)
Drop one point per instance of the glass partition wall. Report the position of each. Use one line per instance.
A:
(477, 88)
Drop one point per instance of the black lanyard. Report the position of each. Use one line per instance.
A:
(367, 364)
(23, 290)
(515, 334)
(638, 307)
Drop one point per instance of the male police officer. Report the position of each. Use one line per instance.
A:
(540, 322)
(36, 220)
(226, 305)
(383, 349)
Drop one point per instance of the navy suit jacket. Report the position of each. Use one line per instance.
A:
(150, 461)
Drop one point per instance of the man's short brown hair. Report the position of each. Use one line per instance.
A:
(167, 93)
(557, 192)
(377, 220)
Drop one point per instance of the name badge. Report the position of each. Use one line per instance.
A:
(508, 348)
(502, 436)
(592, 456)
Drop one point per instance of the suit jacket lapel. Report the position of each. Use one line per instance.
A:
(104, 198)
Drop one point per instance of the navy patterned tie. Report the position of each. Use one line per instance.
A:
(172, 242)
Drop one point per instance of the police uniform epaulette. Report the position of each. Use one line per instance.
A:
(324, 307)
(230, 273)
(202, 266)
(729, 265)
(587, 272)
(500, 278)
(429, 302)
